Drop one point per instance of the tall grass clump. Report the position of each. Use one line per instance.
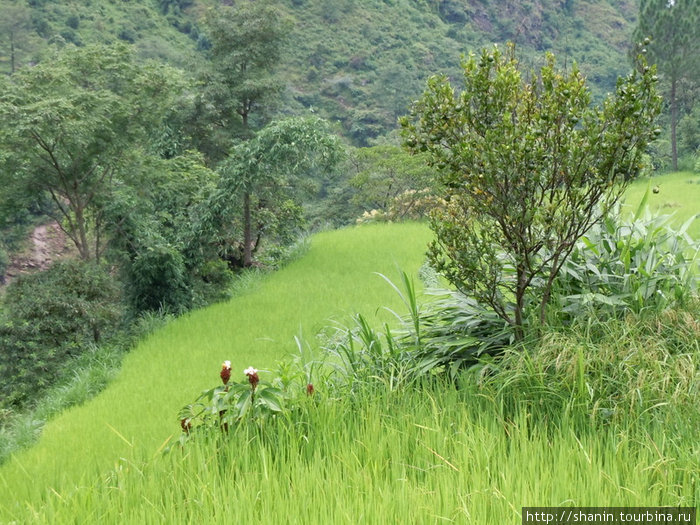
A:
(427, 454)
(638, 369)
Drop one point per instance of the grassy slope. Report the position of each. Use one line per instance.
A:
(137, 413)
(679, 194)
(170, 368)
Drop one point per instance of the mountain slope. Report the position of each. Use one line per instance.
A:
(357, 63)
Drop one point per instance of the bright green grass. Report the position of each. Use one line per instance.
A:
(411, 457)
(679, 194)
(428, 456)
(138, 412)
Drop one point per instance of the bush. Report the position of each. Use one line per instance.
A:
(622, 265)
(158, 280)
(49, 318)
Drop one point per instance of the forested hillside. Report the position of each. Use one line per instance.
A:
(357, 63)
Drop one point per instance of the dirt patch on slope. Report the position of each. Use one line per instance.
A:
(45, 245)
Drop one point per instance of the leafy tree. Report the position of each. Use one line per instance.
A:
(163, 263)
(259, 178)
(239, 79)
(674, 29)
(239, 83)
(71, 126)
(385, 173)
(528, 167)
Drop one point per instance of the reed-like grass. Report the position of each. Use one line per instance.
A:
(432, 455)
(138, 413)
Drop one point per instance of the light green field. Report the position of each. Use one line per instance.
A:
(679, 195)
(138, 412)
(424, 456)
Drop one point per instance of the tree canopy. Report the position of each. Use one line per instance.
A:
(528, 167)
(71, 126)
(262, 176)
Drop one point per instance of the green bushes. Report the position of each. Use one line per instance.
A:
(623, 266)
(49, 318)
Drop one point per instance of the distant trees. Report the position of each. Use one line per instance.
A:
(71, 127)
(16, 35)
(528, 167)
(673, 27)
(387, 179)
(260, 183)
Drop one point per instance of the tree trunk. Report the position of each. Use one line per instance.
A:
(674, 122)
(83, 245)
(520, 302)
(247, 232)
(12, 52)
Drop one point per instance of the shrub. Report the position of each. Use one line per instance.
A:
(48, 318)
(158, 279)
(622, 265)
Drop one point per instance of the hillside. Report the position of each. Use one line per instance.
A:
(359, 64)
(410, 455)
(138, 412)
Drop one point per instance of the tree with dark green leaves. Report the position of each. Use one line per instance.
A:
(72, 128)
(260, 184)
(669, 31)
(240, 84)
(528, 166)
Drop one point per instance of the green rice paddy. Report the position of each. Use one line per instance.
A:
(678, 195)
(443, 455)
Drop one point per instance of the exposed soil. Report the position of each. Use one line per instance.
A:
(45, 245)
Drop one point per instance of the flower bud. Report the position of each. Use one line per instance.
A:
(225, 371)
(309, 389)
(252, 374)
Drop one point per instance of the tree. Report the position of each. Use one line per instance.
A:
(239, 79)
(246, 44)
(674, 29)
(387, 173)
(16, 35)
(71, 126)
(164, 265)
(528, 167)
(261, 176)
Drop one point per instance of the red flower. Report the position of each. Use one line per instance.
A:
(225, 371)
(252, 374)
(309, 389)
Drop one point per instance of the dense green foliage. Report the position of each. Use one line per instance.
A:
(639, 265)
(526, 164)
(71, 129)
(669, 31)
(172, 178)
(358, 64)
(49, 318)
